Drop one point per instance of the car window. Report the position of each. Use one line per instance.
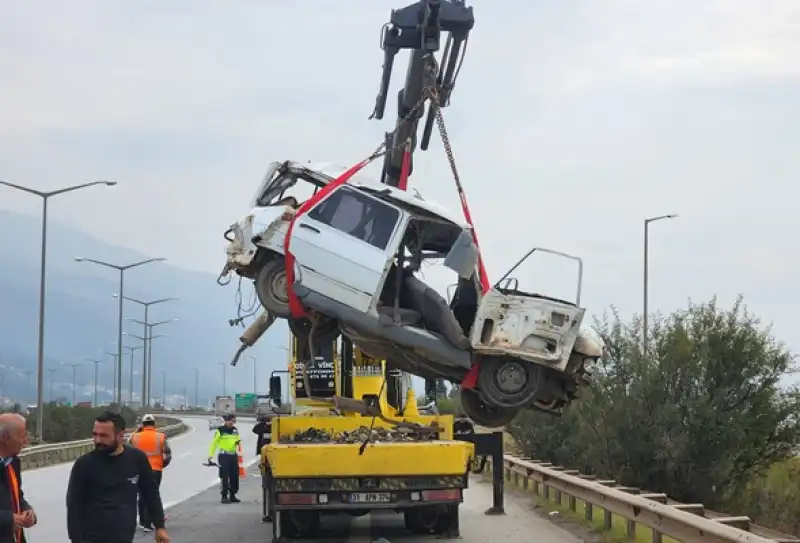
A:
(359, 215)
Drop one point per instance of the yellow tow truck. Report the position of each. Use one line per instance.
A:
(345, 450)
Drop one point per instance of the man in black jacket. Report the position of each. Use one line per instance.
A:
(263, 429)
(103, 486)
(15, 512)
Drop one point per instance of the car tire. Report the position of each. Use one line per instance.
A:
(272, 287)
(484, 414)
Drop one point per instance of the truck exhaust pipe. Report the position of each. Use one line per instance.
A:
(253, 333)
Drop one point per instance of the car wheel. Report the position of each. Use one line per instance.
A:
(272, 287)
(508, 382)
(484, 414)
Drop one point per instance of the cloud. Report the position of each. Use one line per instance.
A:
(571, 122)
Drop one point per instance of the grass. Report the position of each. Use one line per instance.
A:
(618, 531)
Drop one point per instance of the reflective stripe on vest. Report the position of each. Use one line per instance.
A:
(151, 443)
(14, 484)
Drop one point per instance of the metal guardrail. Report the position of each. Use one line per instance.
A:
(683, 522)
(49, 454)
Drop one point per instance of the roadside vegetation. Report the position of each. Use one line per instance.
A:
(65, 423)
(710, 416)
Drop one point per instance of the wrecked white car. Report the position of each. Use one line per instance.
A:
(357, 254)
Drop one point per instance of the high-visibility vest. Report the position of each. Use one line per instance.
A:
(16, 505)
(151, 442)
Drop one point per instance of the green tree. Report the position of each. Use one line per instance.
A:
(697, 418)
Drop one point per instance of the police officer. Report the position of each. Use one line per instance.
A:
(227, 439)
(154, 444)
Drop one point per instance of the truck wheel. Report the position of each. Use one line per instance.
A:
(272, 287)
(484, 414)
(428, 519)
(306, 523)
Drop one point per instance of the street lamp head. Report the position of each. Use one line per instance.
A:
(672, 216)
(78, 259)
(109, 183)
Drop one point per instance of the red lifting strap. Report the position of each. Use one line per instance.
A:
(295, 306)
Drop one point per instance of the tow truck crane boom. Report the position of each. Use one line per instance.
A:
(419, 27)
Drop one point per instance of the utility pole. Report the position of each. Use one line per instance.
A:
(45, 196)
(121, 270)
(646, 274)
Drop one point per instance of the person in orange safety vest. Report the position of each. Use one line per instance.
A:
(154, 444)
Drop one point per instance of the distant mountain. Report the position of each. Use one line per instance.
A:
(81, 318)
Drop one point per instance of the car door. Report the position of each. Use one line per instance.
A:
(510, 321)
(344, 244)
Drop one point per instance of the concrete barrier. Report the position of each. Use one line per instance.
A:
(50, 454)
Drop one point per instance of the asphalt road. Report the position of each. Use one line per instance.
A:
(46, 488)
(203, 519)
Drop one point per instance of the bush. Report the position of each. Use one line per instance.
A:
(773, 498)
(699, 418)
(64, 423)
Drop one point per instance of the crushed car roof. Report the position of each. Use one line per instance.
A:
(333, 170)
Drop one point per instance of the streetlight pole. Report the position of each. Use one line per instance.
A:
(121, 270)
(224, 377)
(196, 387)
(74, 366)
(114, 370)
(96, 364)
(164, 389)
(132, 350)
(149, 362)
(52, 380)
(45, 196)
(646, 274)
(255, 379)
(146, 350)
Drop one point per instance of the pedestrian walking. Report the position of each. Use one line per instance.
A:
(16, 513)
(103, 487)
(154, 444)
(227, 439)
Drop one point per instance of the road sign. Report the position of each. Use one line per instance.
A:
(245, 400)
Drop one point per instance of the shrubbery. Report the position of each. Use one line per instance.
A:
(707, 417)
(64, 423)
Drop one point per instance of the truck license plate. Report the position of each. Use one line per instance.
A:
(370, 497)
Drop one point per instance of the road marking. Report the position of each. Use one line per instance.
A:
(171, 504)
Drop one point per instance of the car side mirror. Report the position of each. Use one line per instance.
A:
(463, 255)
(275, 388)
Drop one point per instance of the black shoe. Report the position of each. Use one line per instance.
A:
(225, 499)
(234, 499)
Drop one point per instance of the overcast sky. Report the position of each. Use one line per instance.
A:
(572, 121)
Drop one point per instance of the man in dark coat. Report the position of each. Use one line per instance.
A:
(263, 429)
(16, 513)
